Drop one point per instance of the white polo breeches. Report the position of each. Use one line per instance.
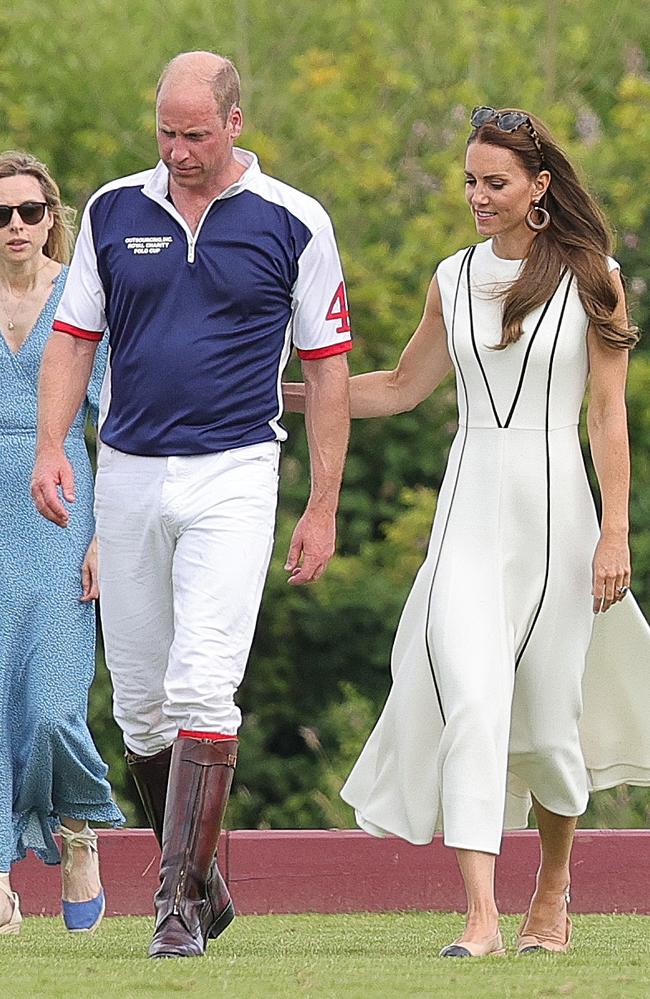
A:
(184, 548)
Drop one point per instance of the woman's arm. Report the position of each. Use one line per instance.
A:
(608, 440)
(424, 363)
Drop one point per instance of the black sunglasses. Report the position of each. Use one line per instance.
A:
(31, 212)
(507, 121)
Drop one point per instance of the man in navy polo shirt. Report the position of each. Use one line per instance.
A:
(204, 273)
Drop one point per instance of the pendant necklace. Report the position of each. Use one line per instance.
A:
(11, 326)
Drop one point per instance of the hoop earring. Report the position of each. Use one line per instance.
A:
(543, 220)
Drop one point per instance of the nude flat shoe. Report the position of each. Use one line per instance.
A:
(13, 926)
(492, 948)
(532, 943)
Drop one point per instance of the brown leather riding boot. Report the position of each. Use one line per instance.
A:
(200, 776)
(151, 776)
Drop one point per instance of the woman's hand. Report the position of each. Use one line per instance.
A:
(89, 577)
(611, 572)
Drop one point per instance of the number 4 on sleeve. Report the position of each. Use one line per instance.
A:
(338, 309)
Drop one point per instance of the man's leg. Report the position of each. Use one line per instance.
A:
(137, 543)
(189, 907)
(220, 566)
(136, 556)
(136, 550)
(151, 776)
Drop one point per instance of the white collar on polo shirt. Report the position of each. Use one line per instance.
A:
(157, 184)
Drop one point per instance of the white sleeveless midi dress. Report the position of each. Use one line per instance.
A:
(505, 684)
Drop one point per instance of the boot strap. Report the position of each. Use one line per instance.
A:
(207, 753)
(133, 759)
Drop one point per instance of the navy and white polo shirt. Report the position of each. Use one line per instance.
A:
(201, 325)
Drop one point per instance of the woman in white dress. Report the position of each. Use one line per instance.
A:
(491, 707)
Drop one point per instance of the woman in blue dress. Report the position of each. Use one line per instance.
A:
(51, 775)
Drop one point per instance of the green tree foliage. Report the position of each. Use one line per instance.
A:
(365, 105)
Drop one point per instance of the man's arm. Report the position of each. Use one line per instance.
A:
(65, 372)
(327, 418)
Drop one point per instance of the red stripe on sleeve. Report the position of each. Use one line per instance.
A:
(334, 348)
(212, 736)
(76, 331)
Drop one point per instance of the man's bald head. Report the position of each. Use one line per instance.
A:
(215, 71)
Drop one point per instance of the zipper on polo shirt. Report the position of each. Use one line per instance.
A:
(171, 209)
(192, 237)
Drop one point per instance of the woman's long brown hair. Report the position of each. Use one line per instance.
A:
(578, 238)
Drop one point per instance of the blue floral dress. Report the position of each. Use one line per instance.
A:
(49, 765)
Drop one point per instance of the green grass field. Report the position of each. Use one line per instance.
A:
(354, 956)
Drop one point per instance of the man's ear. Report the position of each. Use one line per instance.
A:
(235, 122)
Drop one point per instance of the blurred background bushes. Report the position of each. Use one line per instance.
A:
(364, 104)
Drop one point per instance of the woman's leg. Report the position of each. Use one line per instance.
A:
(80, 868)
(547, 915)
(477, 870)
(6, 904)
(10, 917)
(481, 935)
(556, 837)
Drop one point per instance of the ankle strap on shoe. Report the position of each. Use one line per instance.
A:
(69, 838)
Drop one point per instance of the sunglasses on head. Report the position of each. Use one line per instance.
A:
(31, 212)
(507, 121)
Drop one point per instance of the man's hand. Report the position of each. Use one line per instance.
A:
(51, 471)
(312, 546)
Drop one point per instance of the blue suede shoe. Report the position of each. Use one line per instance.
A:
(85, 916)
